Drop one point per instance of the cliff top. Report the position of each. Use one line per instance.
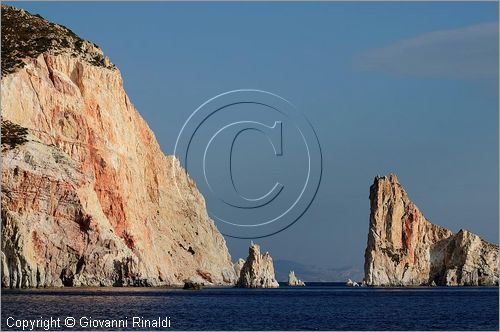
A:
(27, 36)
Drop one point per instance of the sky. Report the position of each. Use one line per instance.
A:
(408, 88)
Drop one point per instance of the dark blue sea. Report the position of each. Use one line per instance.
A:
(319, 306)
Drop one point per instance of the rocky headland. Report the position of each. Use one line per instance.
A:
(88, 197)
(258, 270)
(405, 249)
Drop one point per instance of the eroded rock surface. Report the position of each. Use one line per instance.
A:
(258, 270)
(88, 197)
(405, 249)
(351, 283)
(293, 280)
(237, 266)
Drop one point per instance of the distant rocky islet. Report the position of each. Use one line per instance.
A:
(405, 249)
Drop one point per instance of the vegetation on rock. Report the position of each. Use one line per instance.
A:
(12, 135)
(27, 36)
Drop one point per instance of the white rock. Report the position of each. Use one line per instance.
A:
(351, 283)
(293, 281)
(96, 200)
(258, 270)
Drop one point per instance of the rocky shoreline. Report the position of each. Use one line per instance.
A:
(89, 199)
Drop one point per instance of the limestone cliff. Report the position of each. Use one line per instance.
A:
(258, 270)
(88, 197)
(405, 249)
(293, 280)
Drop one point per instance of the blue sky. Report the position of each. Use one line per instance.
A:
(410, 88)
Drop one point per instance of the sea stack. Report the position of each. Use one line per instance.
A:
(88, 197)
(405, 249)
(237, 266)
(293, 280)
(258, 270)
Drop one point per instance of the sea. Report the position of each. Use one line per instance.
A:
(318, 306)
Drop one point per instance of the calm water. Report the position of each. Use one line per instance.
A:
(321, 306)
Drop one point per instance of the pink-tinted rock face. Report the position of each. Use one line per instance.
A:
(293, 280)
(258, 270)
(91, 199)
(405, 249)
